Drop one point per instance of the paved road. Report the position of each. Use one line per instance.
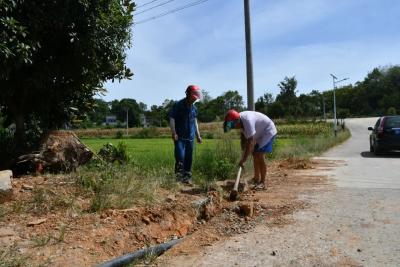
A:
(363, 169)
(355, 224)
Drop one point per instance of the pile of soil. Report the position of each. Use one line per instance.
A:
(60, 234)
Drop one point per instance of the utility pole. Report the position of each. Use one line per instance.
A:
(249, 57)
(126, 121)
(334, 78)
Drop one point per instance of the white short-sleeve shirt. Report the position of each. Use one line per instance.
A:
(258, 126)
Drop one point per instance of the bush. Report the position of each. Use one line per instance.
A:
(219, 163)
(119, 134)
(391, 111)
(209, 135)
(112, 154)
(150, 132)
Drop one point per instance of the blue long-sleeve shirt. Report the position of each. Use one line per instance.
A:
(184, 117)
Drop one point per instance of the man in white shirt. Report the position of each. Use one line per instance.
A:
(259, 132)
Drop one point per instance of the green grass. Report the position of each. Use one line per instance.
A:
(151, 165)
(150, 153)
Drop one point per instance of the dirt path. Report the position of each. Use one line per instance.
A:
(47, 222)
(354, 223)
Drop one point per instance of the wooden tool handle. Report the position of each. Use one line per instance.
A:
(235, 187)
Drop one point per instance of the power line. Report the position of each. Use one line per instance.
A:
(170, 11)
(153, 7)
(145, 4)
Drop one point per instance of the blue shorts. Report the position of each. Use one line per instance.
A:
(267, 148)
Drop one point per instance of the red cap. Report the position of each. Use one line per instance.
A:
(194, 90)
(232, 115)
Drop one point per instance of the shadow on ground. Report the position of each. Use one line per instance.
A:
(367, 154)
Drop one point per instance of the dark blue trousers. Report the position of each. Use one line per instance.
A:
(183, 155)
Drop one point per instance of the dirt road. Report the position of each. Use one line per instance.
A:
(355, 223)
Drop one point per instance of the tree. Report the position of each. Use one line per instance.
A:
(204, 107)
(130, 106)
(287, 96)
(56, 55)
(99, 111)
(263, 102)
(233, 100)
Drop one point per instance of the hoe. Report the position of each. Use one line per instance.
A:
(234, 193)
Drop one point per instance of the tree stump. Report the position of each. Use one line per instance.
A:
(60, 151)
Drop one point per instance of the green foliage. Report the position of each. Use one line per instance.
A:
(219, 162)
(51, 71)
(115, 186)
(287, 96)
(211, 109)
(150, 132)
(306, 147)
(304, 129)
(41, 241)
(113, 154)
(119, 108)
(391, 111)
(119, 134)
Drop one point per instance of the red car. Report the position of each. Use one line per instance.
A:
(385, 135)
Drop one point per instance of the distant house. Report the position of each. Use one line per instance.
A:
(111, 120)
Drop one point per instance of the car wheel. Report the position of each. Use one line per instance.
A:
(377, 151)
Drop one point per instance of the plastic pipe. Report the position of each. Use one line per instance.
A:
(128, 258)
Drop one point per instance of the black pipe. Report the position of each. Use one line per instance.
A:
(128, 258)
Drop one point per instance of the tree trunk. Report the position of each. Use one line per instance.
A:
(20, 137)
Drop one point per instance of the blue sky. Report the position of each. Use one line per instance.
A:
(205, 45)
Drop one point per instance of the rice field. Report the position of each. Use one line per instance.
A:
(160, 151)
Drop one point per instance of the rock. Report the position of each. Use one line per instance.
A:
(170, 198)
(5, 185)
(247, 208)
(5, 180)
(37, 222)
(146, 220)
(27, 187)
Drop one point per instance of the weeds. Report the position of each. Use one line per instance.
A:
(61, 234)
(18, 207)
(3, 212)
(113, 154)
(10, 257)
(218, 163)
(41, 241)
(303, 147)
(115, 186)
(45, 200)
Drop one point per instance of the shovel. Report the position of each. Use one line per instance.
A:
(234, 193)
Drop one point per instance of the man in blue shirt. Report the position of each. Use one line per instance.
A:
(184, 128)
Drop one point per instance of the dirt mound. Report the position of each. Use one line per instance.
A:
(293, 163)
